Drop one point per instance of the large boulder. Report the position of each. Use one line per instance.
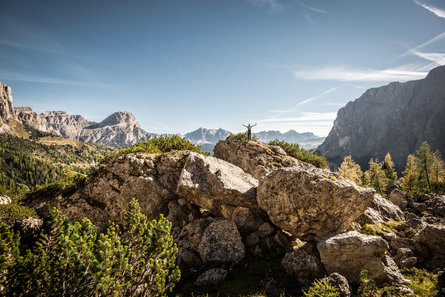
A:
(381, 210)
(401, 199)
(350, 252)
(151, 179)
(303, 263)
(221, 244)
(255, 158)
(216, 185)
(433, 238)
(309, 202)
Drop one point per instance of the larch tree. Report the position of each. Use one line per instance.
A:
(388, 167)
(409, 179)
(424, 162)
(351, 170)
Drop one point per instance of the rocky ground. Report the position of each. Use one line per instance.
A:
(251, 201)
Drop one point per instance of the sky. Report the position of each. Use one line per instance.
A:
(178, 65)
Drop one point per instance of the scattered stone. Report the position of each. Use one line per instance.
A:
(221, 244)
(309, 202)
(401, 199)
(303, 263)
(265, 230)
(340, 282)
(405, 258)
(380, 211)
(211, 183)
(247, 220)
(211, 277)
(350, 252)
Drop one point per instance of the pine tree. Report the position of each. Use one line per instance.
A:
(388, 167)
(410, 175)
(437, 168)
(375, 176)
(351, 170)
(424, 162)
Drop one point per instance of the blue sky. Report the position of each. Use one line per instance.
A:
(184, 64)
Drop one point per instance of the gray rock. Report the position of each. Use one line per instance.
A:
(401, 199)
(309, 202)
(395, 118)
(380, 211)
(340, 282)
(221, 244)
(210, 183)
(433, 237)
(211, 277)
(6, 107)
(404, 258)
(303, 263)
(247, 220)
(349, 253)
(256, 158)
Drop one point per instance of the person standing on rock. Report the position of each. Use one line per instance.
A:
(249, 130)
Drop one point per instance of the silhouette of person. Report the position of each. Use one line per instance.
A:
(249, 130)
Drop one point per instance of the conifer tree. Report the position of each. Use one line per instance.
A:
(375, 176)
(410, 175)
(388, 167)
(424, 162)
(351, 170)
(437, 168)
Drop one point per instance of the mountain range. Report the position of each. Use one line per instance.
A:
(119, 129)
(395, 118)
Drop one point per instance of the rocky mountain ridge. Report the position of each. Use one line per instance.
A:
(118, 130)
(395, 118)
(207, 138)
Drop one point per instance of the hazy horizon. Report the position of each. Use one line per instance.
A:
(178, 66)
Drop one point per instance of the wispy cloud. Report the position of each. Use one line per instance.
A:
(436, 10)
(437, 58)
(313, 8)
(347, 74)
(271, 6)
(436, 38)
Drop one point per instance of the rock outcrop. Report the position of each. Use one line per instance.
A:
(255, 158)
(216, 185)
(381, 210)
(310, 202)
(349, 253)
(395, 118)
(6, 107)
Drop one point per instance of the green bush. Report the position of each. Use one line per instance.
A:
(66, 186)
(322, 289)
(158, 145)
(241, 136)
(75, 259)
(11, 213)
(293, 150)
(423, 283)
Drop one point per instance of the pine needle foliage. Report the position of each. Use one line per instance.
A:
(157, 145)
(75, 259)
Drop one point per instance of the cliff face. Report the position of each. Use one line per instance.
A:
(119, 129)
(6, 108)
(395, 118)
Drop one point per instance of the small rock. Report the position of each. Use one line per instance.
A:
(340, 282)
(303, 263)
(221, 244)
(211, 277)
(265, 230)
(5, 200)
(404, 258)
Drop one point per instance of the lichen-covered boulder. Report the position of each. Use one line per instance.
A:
(255, 158)
(216, 185)
(381, 210)
(350, 252)
(221, 244)
(303, 263)
(340, 282)
(309, 202)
